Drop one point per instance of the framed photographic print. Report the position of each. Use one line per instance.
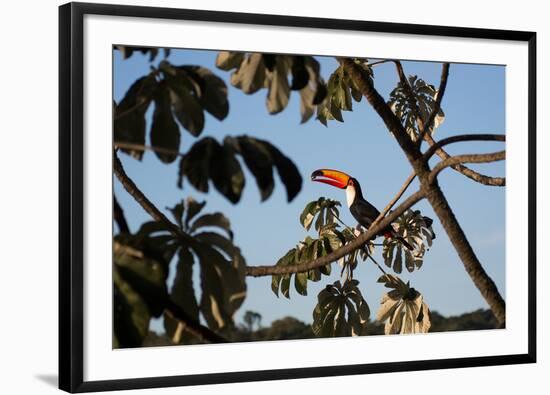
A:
(253, 197)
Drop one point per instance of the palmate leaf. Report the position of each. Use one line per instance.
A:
(208, 160)
(341, 310)
(255, 71)
(403, 308)
(418, 106)
(219, 262)
(307, 250)
(417, 230)
(326, 211)
(182, 95)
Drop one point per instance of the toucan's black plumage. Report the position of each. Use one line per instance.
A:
(363, 211)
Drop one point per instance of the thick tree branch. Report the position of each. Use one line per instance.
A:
(471, 158)
(432, 191)
(365, 86)
(257, 271)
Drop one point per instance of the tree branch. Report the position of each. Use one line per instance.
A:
(365, 86)
(145, 203)
(432, 192)
(474, 175)
(363, 238)
(471, 158)
(462, 137)
(392, 202)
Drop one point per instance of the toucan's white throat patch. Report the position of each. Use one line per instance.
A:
(350, 195)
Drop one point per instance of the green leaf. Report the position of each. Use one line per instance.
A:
(417, 231)
(300, 283)
(285, 285)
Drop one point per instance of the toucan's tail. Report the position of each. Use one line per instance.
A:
(404, 242)
(394, 235)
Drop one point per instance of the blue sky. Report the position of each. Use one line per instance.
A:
(362, 147)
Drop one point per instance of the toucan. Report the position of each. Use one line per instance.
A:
(364, 212)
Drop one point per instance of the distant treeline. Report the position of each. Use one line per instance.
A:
(289, 328)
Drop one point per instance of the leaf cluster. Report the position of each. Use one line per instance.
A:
(403, 308)
(181, 95)
(209, 161)
(341, 90)
(417, 230)
(279, 74)
(341, 310)
(413, 101)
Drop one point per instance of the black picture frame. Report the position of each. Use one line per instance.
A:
(71, 204)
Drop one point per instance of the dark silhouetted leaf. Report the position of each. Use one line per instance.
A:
(129, 116)
(213, 94)
(185, 105)
(164, 130)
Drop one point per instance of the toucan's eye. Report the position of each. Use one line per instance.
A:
(350, 182)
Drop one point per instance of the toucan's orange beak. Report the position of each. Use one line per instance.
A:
(332, 177)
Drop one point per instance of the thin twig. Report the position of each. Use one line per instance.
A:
(392, 202)
(145, 203)
(472, 174)
(377, 264)
(472, 158)
(460, 138)
(142, 147)
(379, 62)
